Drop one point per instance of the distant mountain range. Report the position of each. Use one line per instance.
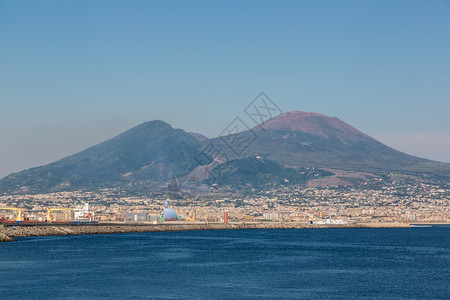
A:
(292, 148)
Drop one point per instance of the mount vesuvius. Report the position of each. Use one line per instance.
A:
(156, 152)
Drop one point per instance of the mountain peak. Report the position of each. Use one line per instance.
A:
(315, 124)
(155, 123)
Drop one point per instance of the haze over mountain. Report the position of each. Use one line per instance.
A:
(151, 151)
(156, 152)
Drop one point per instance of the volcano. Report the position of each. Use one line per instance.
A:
(154, 152)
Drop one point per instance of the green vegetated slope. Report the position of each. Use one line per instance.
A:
(261, 172)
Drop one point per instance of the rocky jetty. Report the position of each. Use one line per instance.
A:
(5, 238)
(8, 233)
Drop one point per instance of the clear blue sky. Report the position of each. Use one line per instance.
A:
(74, 73)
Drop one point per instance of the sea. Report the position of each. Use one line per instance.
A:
(353, 263)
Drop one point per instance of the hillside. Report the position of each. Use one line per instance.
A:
(311, 139)
(259, 172)
(153, 151)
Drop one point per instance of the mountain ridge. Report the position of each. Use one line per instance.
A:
(149, 151)
(156, 152)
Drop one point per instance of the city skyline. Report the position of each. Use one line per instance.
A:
(75, 74)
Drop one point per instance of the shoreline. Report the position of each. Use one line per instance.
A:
(7, 234)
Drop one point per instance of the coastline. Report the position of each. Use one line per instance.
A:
(7, 234)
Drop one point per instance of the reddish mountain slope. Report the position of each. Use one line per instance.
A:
(317, 125)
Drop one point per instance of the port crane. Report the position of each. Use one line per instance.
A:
(50, 210)
(19, 217)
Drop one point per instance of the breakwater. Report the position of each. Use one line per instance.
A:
(9, 233)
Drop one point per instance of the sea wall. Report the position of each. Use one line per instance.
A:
(8, 233)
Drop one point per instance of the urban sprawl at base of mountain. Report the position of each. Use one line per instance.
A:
(297, 166)
(392, 203)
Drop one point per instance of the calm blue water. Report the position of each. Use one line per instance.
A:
(284, 264)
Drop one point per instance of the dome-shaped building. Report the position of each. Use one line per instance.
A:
(169, 213)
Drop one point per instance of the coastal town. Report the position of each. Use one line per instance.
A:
(398, 202)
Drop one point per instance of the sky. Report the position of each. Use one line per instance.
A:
(75, 73)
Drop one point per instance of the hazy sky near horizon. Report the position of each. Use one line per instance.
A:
(74, 73)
